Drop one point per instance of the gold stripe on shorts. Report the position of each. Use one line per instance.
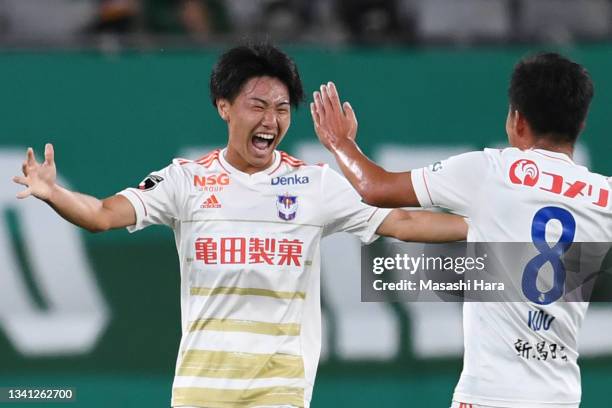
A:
(232, 398)
(245, 366)
(249, 326)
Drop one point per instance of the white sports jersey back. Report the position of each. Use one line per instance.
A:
(249, 257)
(509, 360)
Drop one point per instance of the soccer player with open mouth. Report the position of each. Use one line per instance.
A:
(248, 220)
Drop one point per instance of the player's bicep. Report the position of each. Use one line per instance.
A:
(118, 212)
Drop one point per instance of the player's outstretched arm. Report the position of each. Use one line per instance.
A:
(82, 210)
(423, 226)
(336, 128)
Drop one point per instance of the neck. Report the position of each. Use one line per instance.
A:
(545, 144)
(237, 161)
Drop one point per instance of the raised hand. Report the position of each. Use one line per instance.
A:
(333, 122)
(38, 178)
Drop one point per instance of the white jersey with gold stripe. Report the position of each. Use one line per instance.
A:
(521, 354)
(249, 259)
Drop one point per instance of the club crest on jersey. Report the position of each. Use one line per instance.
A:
(150, 182)
(524, 172)
(287, 206)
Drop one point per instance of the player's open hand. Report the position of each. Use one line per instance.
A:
(38, 178)
(333, 122)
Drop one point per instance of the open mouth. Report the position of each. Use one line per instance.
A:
(262, 141)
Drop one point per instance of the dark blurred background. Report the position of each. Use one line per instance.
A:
(150, 23)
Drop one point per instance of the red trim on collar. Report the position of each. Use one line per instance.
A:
(290, 160)
(209, 158)
(553, 157)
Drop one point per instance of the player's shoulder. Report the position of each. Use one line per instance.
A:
(288, 159)
(292, 163)
(472, 161)
(500, 154)
(490, 151)
(476, 155)
(503, 157)
(207, 162)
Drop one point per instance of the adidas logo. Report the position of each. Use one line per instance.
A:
(211, 202)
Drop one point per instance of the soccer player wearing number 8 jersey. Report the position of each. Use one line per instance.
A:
(516, 354)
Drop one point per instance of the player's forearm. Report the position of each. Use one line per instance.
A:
(425, 226)
(79, 209)
(357, 168)
(374, 184)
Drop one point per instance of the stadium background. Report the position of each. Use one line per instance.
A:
(100, 313)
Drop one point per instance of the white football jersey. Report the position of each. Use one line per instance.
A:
(249, 260)
(520, 354)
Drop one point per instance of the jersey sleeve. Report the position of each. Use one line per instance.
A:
(155, 200)
(345, 212)
(451, 183)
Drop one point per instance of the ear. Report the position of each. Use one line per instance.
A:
(524, 133)
(223, 106)
(518, 123)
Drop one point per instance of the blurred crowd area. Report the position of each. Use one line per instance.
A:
(75, 22)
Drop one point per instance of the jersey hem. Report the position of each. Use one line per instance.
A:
(471, 399)
(377, 218)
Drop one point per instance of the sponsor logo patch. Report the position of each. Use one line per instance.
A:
(277, 251)
(211, 202)
(524, 172)
(212, 182)
(150, 182)
(290, 180)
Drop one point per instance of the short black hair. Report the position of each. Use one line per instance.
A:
(553, 93)
(239, 64)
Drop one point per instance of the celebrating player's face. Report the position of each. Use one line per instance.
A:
(257, 119)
